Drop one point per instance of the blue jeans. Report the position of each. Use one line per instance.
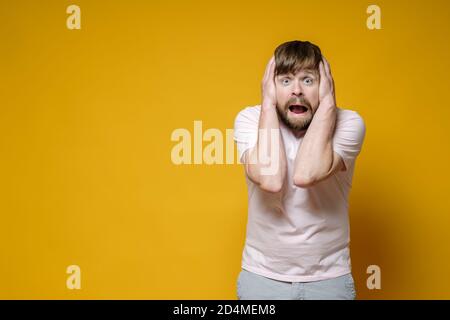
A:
(252, 286)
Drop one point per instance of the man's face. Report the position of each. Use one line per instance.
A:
(297, 98)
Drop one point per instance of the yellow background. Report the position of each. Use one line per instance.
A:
(86, 119)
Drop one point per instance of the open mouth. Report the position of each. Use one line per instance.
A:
(297, 108)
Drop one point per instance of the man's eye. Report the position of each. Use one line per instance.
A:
(285, 81)
(308, 79)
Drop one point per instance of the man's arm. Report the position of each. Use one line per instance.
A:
(315, 159)
(265, 163)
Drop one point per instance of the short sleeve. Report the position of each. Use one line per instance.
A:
(245, 132)
(349, 136)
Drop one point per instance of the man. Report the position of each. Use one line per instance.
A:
(299, 150)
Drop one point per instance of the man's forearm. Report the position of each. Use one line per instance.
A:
(268, 159)
(315, 155)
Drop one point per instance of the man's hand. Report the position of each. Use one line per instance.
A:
(269, 96)
(326, 87)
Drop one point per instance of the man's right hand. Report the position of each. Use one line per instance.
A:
(269, 96)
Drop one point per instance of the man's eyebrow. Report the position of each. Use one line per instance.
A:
(308, 71)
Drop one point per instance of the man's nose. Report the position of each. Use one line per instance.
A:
(297, 89)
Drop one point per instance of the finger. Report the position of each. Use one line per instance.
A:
(322, 71)
(267, 71)
(272, 68)
(322, 77)
(333, 88)
(330, 76)
(327, 66)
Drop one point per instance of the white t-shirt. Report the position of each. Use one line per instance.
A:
(300, 234)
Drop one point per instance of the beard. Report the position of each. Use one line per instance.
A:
(296, 123)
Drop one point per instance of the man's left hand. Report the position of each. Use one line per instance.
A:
(326, 86)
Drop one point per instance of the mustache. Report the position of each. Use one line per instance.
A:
(301, 101)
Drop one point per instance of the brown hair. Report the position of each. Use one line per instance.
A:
(295, 55)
